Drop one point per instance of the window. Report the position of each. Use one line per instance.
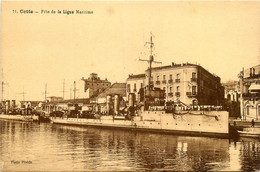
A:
(164, 78)
(178, 88)
(141, 85)
(194, 89)
(194, 75)
(134, 86)
(164, 88)
(128, 88)
(178, 76)
(170, 89)
(170, 76)
(158, 78)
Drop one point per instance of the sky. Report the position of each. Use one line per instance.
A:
(39, 48)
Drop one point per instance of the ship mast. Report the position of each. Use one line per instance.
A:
(63, 90)
(150, 61)
(23, 93)
(45, 93)
(3, 84)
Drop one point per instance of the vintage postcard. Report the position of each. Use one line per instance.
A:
(130, 86)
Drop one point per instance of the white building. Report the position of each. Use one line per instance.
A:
(189, 83)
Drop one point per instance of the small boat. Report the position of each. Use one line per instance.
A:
(28, 119)
(250, 132)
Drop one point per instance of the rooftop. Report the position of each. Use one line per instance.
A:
(94, 77)
(116, 88)
(173, 65)
(83, 100)
(136, 76)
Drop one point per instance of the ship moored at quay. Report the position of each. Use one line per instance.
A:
(190, 122)
(152, 113)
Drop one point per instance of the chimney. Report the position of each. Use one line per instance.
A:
(250, 72)
(173, 63)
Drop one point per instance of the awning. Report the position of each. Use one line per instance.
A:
(254, 87)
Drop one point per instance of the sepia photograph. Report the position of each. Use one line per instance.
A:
(130, 86)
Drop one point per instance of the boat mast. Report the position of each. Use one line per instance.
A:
(150, 61)
(23, 93)
(74, 91)
(3, 84)
(2, 91)
(45, 93)
(63, 91)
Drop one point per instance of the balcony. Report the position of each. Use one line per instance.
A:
(178, 94)
(170, 94)
(157, 82)
(177, 80)
(248, 96)
(170, 81)
(193, 79)
(164, 82)
(134, 90)
(191, 94)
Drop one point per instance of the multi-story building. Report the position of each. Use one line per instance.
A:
(189, 83)
(94, 85)
(134, 84)
(232, 91)
(251, 93)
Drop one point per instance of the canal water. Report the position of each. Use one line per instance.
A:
(49, 147)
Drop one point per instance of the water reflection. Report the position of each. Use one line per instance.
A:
(65, 148)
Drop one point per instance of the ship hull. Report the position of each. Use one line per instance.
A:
(250, 132)
(17, 117)
(195, 124)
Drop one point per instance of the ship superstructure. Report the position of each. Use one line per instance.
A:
(152, 113)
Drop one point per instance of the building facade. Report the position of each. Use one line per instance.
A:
(94, 85)
(134, 84)
(251, 93)
(232, 91)
(188, 83)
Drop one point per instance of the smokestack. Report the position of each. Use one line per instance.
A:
(13, 103)
(116, 104)
(108, 104)
(7, 106)
(131, 99)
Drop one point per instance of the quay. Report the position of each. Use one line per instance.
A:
(177, 98)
